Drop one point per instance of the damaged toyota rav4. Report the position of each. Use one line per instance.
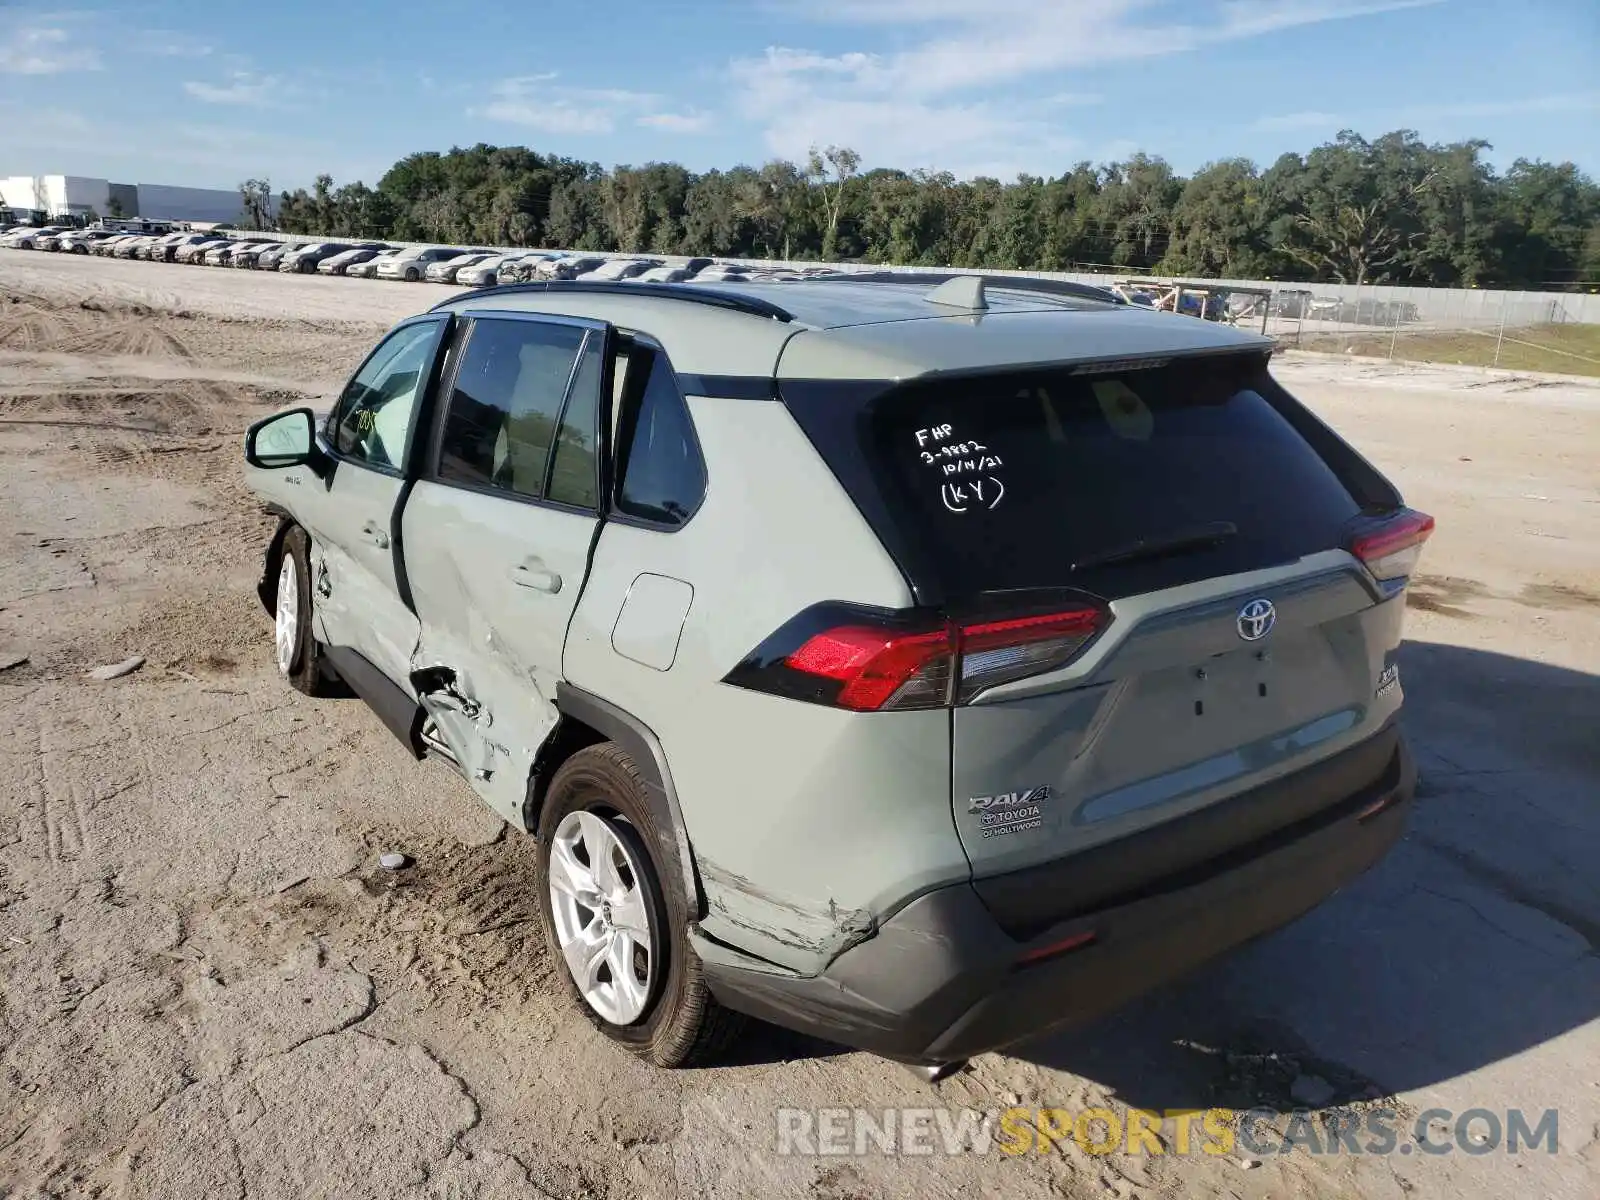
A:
(918, 662)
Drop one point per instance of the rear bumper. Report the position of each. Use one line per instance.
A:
(940, 980)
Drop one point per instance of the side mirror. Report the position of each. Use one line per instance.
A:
(286, 439)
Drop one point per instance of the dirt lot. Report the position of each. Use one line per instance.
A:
(207, 987)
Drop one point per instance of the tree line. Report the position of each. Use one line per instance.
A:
(1391, 210)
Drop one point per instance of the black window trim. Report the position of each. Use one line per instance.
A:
(602, 341)
(592, 328)
(614, 480)
(421, 411)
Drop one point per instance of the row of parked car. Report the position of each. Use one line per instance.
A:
(436, 264)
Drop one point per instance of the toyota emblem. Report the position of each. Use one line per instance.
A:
(1256, 620)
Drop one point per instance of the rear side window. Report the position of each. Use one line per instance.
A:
(506, 402)
(661, 475)
(1025, 480)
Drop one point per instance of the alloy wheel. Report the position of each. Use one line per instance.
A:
(286, 623)
(602, 916)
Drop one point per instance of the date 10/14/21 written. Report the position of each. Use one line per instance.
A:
(969, 459)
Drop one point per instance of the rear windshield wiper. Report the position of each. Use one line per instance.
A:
(1196, 537)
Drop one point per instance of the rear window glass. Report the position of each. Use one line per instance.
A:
(1024, 480)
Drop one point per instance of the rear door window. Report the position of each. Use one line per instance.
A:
(1024, 480)
(506, 403)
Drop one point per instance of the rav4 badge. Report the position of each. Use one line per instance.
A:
(1003, 800)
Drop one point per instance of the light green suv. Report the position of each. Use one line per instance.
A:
(920, 662)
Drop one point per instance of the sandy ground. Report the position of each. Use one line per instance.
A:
(207, 988)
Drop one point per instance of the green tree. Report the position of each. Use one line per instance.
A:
(1351, 211)
(1134, 212)
(1391, 210)
(829, 172)
(1549, 215)
(1219, 224)
(773, 199)
(256, 197)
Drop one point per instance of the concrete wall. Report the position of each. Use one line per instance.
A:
(162, 202)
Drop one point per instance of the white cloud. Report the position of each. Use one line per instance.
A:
(244, 88)
(552, 116)
(187, 153)
(1072, 99)
(1565, 102)
(1281, 122)
(541, 103)
(171, 43)
(1247, 18)
(963, 86)
(1422, 114)
(45, 50)
(804, 100)
(671, 122)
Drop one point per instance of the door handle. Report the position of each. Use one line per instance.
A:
(376, 535)
(536, 577)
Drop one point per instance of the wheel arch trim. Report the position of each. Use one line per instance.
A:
(267, 587)
(640, 742)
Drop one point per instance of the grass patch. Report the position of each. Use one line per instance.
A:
(1566, 349)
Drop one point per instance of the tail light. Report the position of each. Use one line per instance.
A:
(1391, 547)
(996, 652)
(878, 668)
(876, 662)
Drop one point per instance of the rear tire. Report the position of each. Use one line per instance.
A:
(299, 655)
(411, 275)
(596, 816)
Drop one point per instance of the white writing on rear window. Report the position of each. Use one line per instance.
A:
(974, 493)
(967, 465)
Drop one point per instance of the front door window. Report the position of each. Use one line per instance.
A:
(373, 419)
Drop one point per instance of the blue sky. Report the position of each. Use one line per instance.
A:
(177, 92)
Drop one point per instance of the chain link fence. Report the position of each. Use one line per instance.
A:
(1530, 331)
(1527, 330)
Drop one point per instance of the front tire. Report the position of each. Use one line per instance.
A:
(619, 937)
(296, 650)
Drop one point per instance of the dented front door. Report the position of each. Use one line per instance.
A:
(497, 535)
(350, 511)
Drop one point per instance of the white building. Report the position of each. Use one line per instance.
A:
(57, 195)
(79, 196)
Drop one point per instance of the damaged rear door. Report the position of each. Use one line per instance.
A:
(497, 534)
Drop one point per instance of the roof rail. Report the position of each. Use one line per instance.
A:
(1014, 283)
(733, 301)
